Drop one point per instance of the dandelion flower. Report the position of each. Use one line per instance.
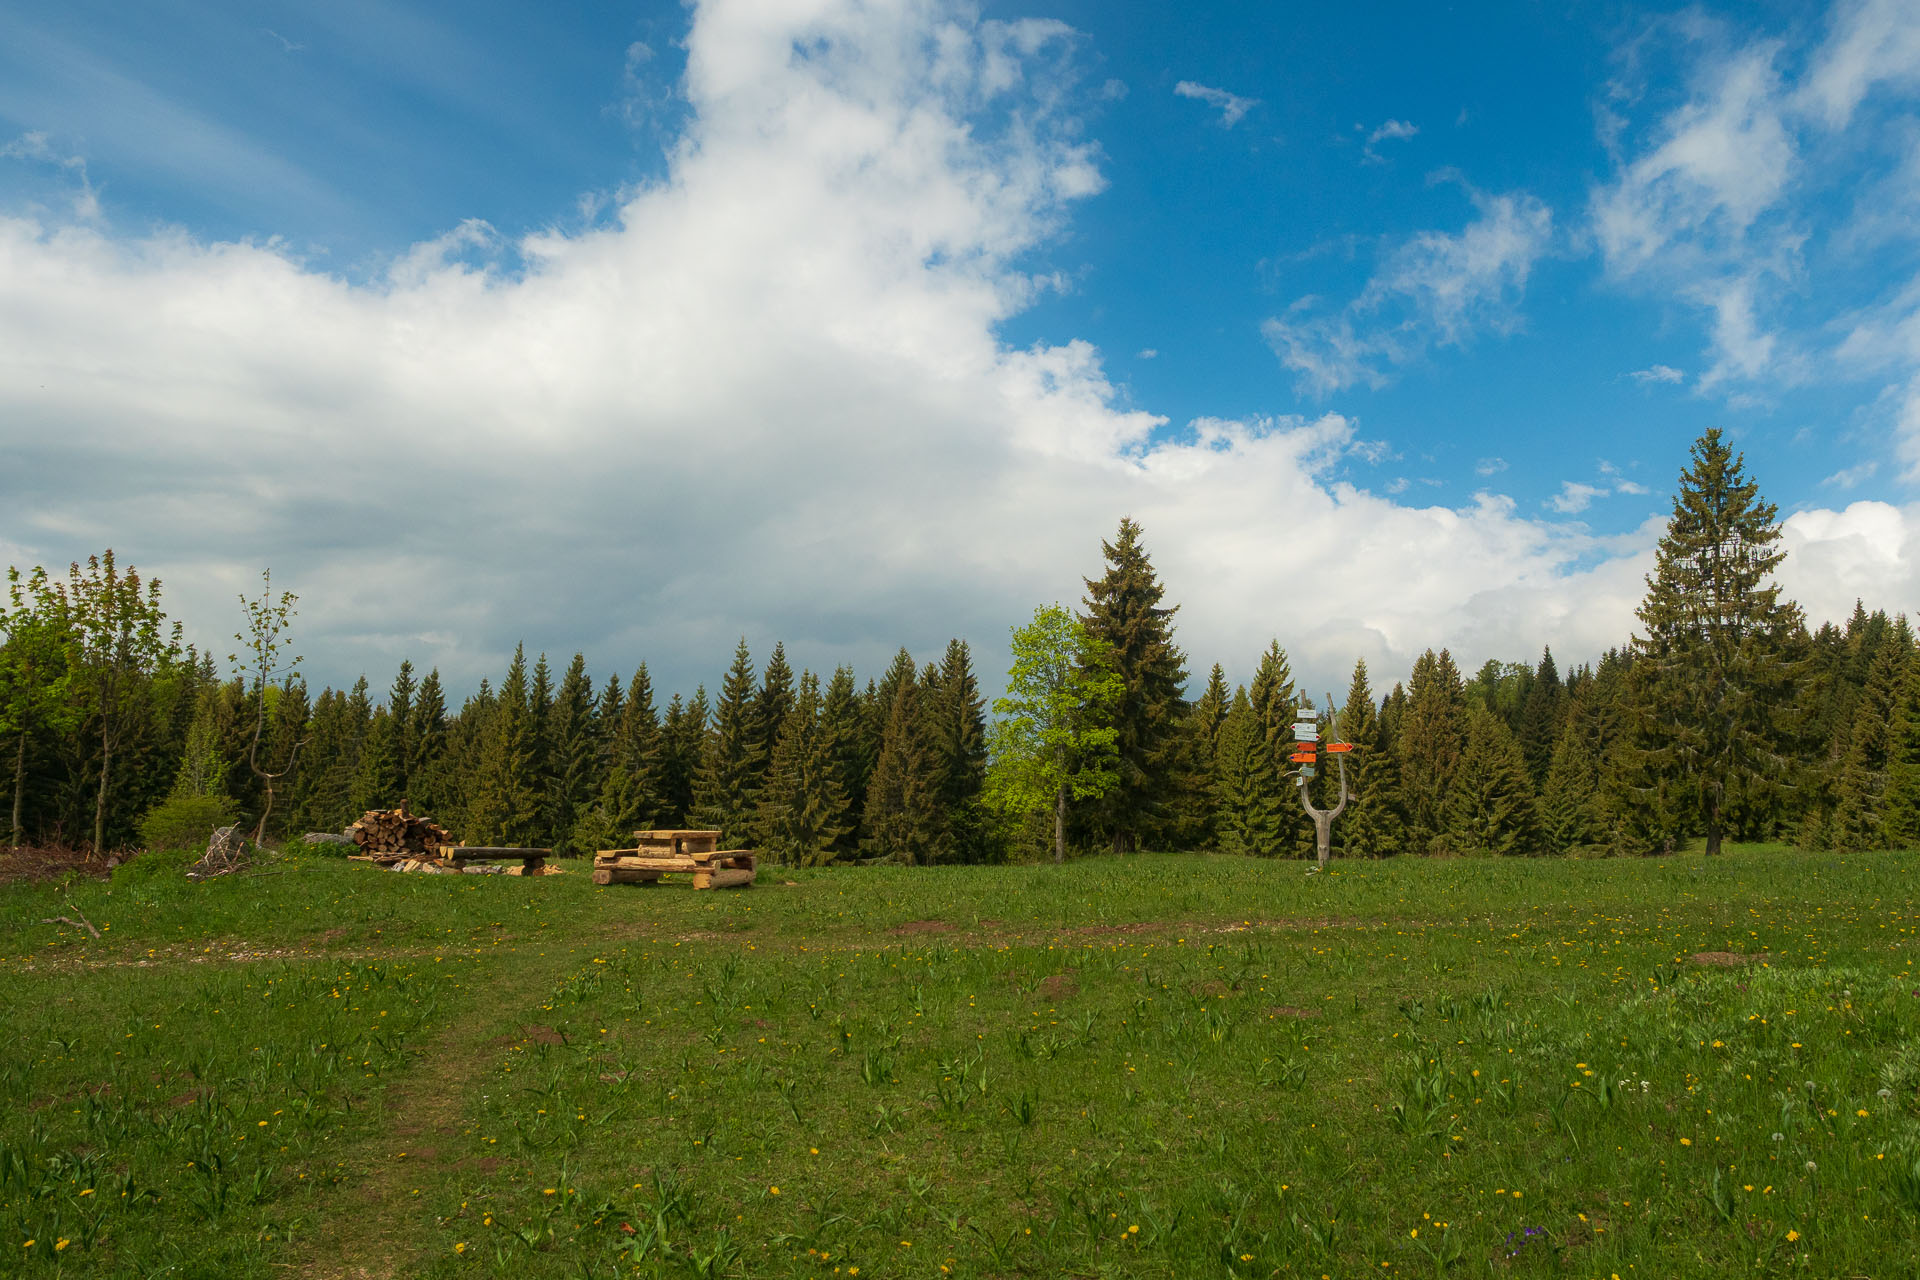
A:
(1793, 1235)
(1134, 1230)
(461, 1247)
(60, 1244)
(773, 1191)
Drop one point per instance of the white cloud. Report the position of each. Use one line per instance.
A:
(1434, 289)
(1851, 477)
(1147, 353)
(1390, 131)
(1658, 373)
(764, 396)
(1720, 201)
(1629, 487)
(1872, 42)
(1231, 106)
(1489, 466)
(1575, 497)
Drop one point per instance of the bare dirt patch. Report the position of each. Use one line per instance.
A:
(1725, 959)
(1213, 987)
(920, 926)
(533, 1033)
(1058, 986)
(50, 862)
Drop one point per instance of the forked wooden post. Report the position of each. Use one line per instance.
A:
(1323, 818)
(1307, 742)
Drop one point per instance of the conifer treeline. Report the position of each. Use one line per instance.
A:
(1822, 729)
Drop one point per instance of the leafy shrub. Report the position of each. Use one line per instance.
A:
(185, 822)
(162, 864)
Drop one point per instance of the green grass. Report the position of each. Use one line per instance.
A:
(1163, 1066)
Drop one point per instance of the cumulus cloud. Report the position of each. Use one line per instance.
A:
(1231, 106)
(1434, 289)
(1575, 497)
(1489, 466)
(764, 396)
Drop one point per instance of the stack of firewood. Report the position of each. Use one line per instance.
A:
(399, 832)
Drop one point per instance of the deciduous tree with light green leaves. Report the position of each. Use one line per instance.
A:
(1055, 738)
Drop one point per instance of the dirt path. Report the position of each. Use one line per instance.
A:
(367, 1231)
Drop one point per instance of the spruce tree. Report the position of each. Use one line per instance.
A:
(734, 762)
(955, 723)
(1900, 806)
(377, 780)
(1247, 796)
(1193, 801)
(631, 795)
(774, 701)
(1372, 827)
(1717, 680)
(400, 712)
(1124, 610)
(1540, 717)
(570, 780)
(1568, 822)
(1432, 735)
(683, 746)
(428, 787)
(1858, 819)
(1490, 803)
(504, 808)
(842, 720)
(803, 810)
(902, 816)
(1277, 704)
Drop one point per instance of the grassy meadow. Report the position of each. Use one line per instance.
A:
(1157, 1066)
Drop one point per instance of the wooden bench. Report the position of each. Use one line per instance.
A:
(693, 852)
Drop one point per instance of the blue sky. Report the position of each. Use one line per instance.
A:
(1405, 312)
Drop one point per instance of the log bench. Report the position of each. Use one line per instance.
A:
(691, 852)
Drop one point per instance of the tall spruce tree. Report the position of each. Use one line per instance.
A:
(1568, 821)
(1248, 801)
(774, 701)
(1490, 804)
(1717, 682)
(571, 780)
(683, 746)
(505, 805)
(428, 787)
(902, 818)
(1372, 826)
(803, 809)
(1432, 736)
(1124, 610)
(377, 780)
(1858, 819)
(1540, 716)
(842, 720)
(734, 763)
(1900, 806)
(400, 711)
(955, 723)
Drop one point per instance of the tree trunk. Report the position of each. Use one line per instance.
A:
(19, 786)
(1713, 834)
(100, 801)
(1060, 825)
(260, 832)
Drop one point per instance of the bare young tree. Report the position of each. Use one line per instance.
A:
(264, 641)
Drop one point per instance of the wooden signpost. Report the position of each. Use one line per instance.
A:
(1306, 736)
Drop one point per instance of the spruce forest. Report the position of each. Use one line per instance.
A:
(1722, 716)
